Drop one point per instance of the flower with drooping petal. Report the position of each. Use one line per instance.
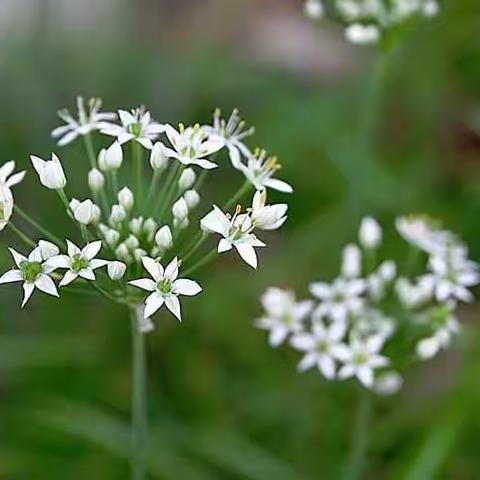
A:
(50, 172)
(191, 145)
(79, 263)
(361, 358)
(33, 271)
(86, 122)
(321, 346)
(259, 171)
(231, 133)
(137, 125)
(267, 217)
(236, 232)
(164, 286)
(283, 314)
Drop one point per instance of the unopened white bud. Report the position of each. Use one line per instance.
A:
(158, 159)
(370, 233)
(122, 253)
(102, 164)
(114, 156)
(74, 203)
(192, 198)
(126, 198)
(118, 214)
(136, 225)
(352, 261)
(116, 270)
(163, 238)
(180, 223)
(50, 172)
(362, 34)
(139, 253)
(132, 242)
(427, 348)
(180, 209)
(149, 227)
(96, 179)
(387, 270)
(85, 212)
(97, 214)
(388, 383)
(187, 179)
(112, 237)
(313, 9)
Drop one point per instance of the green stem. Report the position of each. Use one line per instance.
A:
(90, 151)
(36, 225)
(203, 261)
(114, 184)
(358, 456)
(238, 196)
(139, 398)
(63, 198)
(201, 237)
(138, 165)
(153, 184)
(21, 235)
(171, 185)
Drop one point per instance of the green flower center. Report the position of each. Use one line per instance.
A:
(164, 286)
(322, 346)
(135, 129)
(2, 211)
(31, 270)
(360, 358)
(79, 263)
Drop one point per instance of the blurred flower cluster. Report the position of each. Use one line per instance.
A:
(367, 20)
(134, 220)
(377, 315)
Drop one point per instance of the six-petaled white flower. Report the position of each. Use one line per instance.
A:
(33, 270)
(50, 172)
(79, 262)
(164, 286)
(87, 121)
(267, 217)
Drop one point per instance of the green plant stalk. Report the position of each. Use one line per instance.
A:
(139, 399)
(169, 197)
(138, 165)
(356, 464)
(36, 225)
(90, 151)
(21, 235)
(238, 195)
(203, 261)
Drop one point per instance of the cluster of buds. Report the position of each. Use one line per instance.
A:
(366, 21)
(146, 220)
(361, 324)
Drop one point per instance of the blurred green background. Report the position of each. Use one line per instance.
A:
(223, 405)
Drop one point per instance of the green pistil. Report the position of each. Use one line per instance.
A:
(164, 286)
(79, 263)
(322, 347)
(135, 129)
(360, 358)
(31, 270)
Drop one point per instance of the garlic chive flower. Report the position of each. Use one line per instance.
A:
(78, 263)
(354, 320)
(164, 286)
(136, 125)
(267, 217)
(7, 180)
(33, 271)
(86, 122)
(50, 172)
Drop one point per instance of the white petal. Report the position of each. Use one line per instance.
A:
(184, 286)
(11, 276)
(346, 371)
(171, 270)
(46, 285)
(173, 304)
(278, 185)
(207, 165)
(48, 249)
(224, 245)
(98, 263)
(87, 274)
(91, 250)
(145, 284)
(17, 257)
(72, 249)
(321, 290)
(15, 179)
(247, 252)
(365, 375)
(277, 335)
(326, 365)
(27, 292)
(152, 304)
(6, 169)
(308, 361)
(68, 278)
(35, 255)
(153, 268)
(60, 261)
(303, 341)
(215, 221)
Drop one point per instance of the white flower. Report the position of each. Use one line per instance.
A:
(116, 270)
(79, 263)
(7, 180)
(231, 133)
(87, 121)
(85, 212)
(380, 279)
(351, 261)
(191, 145)
(361, 358)
(388, 383)
(259, 171)
(322, 347)
(370, 233)
(237, 232)
(163, 238)
(283, 314)
(431, 8)
(96, 180)
(339, 299)
(158, 158)
(362, 34)
(136, 125)
(126, 199)
(165, 286)
(192, 199)
(313, 9)
(429, 347)
(187, 179)
(50, 172)
(112, 159)
(180, 209)
(33, 271)
(414, 294)
(267, 217)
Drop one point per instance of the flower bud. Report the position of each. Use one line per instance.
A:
(139, 253)
(158, 159)
(122, 253)
(102, 165)
(163, 238)
(97, 213)
(352, 261)
(136, 225)
(427, 348)
(192, 198)
(388, 383)
(114, 156)
(132, 242)
(180, 223)
(180, 209)
(112, 237)
(84, 212)
(96, 180)
(149, 226)
(370, 234)
(116, 270)
(126, 198)
(118, 214)
(50, 172)
(187, 179)
(314, 9)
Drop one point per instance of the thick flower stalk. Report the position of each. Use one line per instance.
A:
(361, 324)
(131, 221)
(369, 21)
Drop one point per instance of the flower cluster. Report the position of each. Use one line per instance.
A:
(136, 221)
(366, 21)
(362, 323)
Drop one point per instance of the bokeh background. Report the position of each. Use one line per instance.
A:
(223, 405)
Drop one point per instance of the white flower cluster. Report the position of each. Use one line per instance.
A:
(358, 324)
(367, 20)
(138, 227)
